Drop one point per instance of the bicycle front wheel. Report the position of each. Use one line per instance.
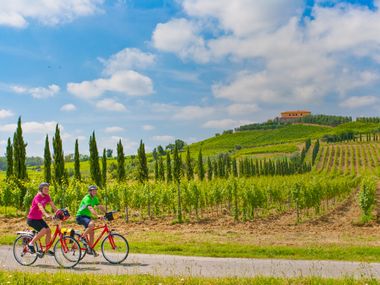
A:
(67, 252)
(115, 248)
(21, 251)
(83, 246)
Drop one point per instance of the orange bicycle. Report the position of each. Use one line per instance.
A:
(66, 249)
(114, 246)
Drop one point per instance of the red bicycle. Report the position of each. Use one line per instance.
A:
(66, 249)
(114, 246)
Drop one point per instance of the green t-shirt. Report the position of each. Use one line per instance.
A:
(87, 201)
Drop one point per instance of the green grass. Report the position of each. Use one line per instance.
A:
(360, 127)
(278, 148)
(64, 277)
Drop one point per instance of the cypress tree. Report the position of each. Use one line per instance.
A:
(209, 169)
(161, 169)
(315, 152)
(19, 152)
(94, 161)
(58, 158)
(169, 176)
(142, 166)
(201, 169)
(156, 174)
(9, 155)
(120, 162)
(77, 174)
(47, 161)
(189, 166)
(177, 163)
(104, 168)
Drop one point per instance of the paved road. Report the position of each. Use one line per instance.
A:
(166, 265)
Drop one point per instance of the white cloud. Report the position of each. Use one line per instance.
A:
(223, 124)
(148, 127)
(17, 13)
(193, 112)
(110, 105)
(244, 17)
(32, 127)
(5, 113)
(163, 139)
(180, 36)
(128, 82)
(127, 59)
(113, 129)
(36, 92)
(68, 108)
(242, 109)
(358, 102)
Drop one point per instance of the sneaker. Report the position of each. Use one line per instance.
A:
(31, 248)
(90, 251)
(50, 253)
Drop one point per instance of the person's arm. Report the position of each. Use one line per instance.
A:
(43, 210)
(93, 212)
(55, 209)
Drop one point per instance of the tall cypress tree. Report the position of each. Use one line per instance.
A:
(94, 161)
(77, 174)
(161, 169)
(177, 163)
(104, 168)
(58, 158)
(120, 162)
(142, 166)
(209, 169)
(9, 159)
(169, 176)
(189, 166)
(19, 152)
(156, 175)
(201, 169)
(47, 161)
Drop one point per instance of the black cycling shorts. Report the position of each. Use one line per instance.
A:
(37, 224)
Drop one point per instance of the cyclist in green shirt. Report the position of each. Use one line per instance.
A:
(86, 212)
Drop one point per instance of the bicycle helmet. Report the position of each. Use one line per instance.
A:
(42, 185)
(92, 187)
(62, 214)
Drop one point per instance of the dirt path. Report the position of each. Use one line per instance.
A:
(168, 265)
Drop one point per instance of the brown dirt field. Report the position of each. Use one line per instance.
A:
(338, 227)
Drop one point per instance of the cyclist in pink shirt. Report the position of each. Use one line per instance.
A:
(36, 213)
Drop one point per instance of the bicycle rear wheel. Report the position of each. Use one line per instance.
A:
(115, 248)
(67, 252)
(21, 251)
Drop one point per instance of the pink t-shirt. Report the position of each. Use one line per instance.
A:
(35, 212)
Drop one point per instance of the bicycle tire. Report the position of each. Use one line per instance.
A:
(72, 255)
(83, 248)
(25, 239)
(115, 255)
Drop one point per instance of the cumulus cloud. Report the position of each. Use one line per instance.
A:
(127, 59)
(148, 127)
(18, 13)
(113, 129)
(358, 102)
(110, 105)
(163, 139)
(242, 109)
(68, 107)
(32, 127)
(5, 113)
(128, 82)
(224, 124)
(36, 92)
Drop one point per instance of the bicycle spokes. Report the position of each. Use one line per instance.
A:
(115, 248)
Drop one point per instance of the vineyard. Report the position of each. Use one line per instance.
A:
(349, 158)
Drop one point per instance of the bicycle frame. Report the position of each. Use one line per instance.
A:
(57, 233)
(107, 231)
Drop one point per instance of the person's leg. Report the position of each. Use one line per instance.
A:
(90, 232)
(48, 236)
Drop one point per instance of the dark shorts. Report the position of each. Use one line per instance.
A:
(83, 220)
(37, 224)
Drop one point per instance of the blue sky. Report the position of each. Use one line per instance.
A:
(159, 70)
